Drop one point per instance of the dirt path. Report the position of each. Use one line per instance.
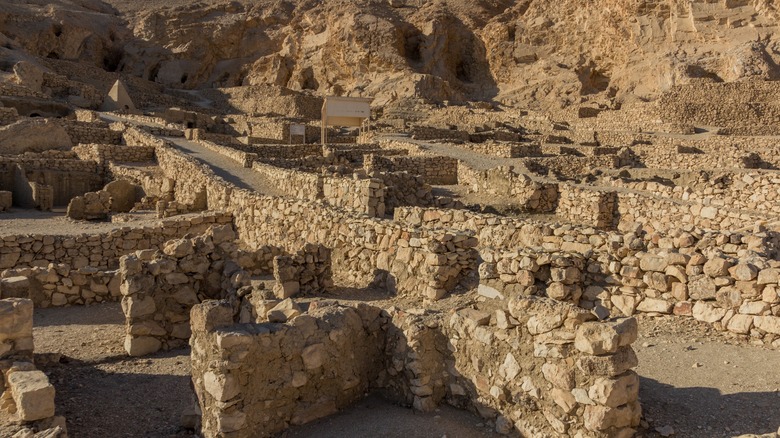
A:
(226, 168)
(703, 383)
(100, 390)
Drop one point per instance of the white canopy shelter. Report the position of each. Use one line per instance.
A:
(345, 111)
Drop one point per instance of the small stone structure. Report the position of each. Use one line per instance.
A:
(27, 397)
(580, 380)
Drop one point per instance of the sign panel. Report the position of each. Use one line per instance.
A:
(348, 107)
(296, 129)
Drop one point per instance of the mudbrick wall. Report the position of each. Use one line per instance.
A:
(546, 366)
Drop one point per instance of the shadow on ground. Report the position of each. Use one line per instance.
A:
(691, 410)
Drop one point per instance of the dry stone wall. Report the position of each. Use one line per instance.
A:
(58, 285)
(546, 367)
(100, 251)
(587, 206)
(436, 170)
(525, 192)
(159, 289)
(91, 132)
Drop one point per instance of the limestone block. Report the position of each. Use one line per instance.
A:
(717, 267)
(142, 345)
(615, 392)
(15, 287)
(650, 262)
(769, 324)
(654, 305)
(32, 393)
(706, 312)
(135, 307)
(599, 338)
(222, 387)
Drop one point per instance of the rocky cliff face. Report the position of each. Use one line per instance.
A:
(529, 52)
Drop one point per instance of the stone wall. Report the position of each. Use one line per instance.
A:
(404, 189)
(243, 158)
(570, 166)
(436, 170)
(103, 154)
(531, 271)
(308, 271)
(419, 132)
(27, 395)
(305, 375)
(91, 132)
(587, 206)
(159, 289)
(545, 366)
(362, 195)
(58, 285)
(293, 183)
(523, 191)
(100, 251)
(8, 115)
(504, 149)
(749, 108)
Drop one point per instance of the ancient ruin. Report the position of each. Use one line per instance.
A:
(404, 218)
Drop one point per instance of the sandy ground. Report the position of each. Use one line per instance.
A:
(704, 383)
(700, 382)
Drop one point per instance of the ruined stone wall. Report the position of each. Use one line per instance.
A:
(153, 182)
(426, 265)
(566, 375)
(503, 149)
(580, 378)
(404, 189)
(419, 132)
(743, 190)
(282, 151)
(587, 206)
(305, 375)
(57, 284)
(104, 154)
(356, 152)
(27, 394)
(362, 195)
(66, 177)
(243, 158)
(434, 169)
(307, 271)
(189, 175)
(526, 193)
(294, 183)
(159, 289)
(134, 136)
(532, 271)
(684, 157)
(743, 108)
(100, 251)
(90, 132)
(569, 166)
(8, 115)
